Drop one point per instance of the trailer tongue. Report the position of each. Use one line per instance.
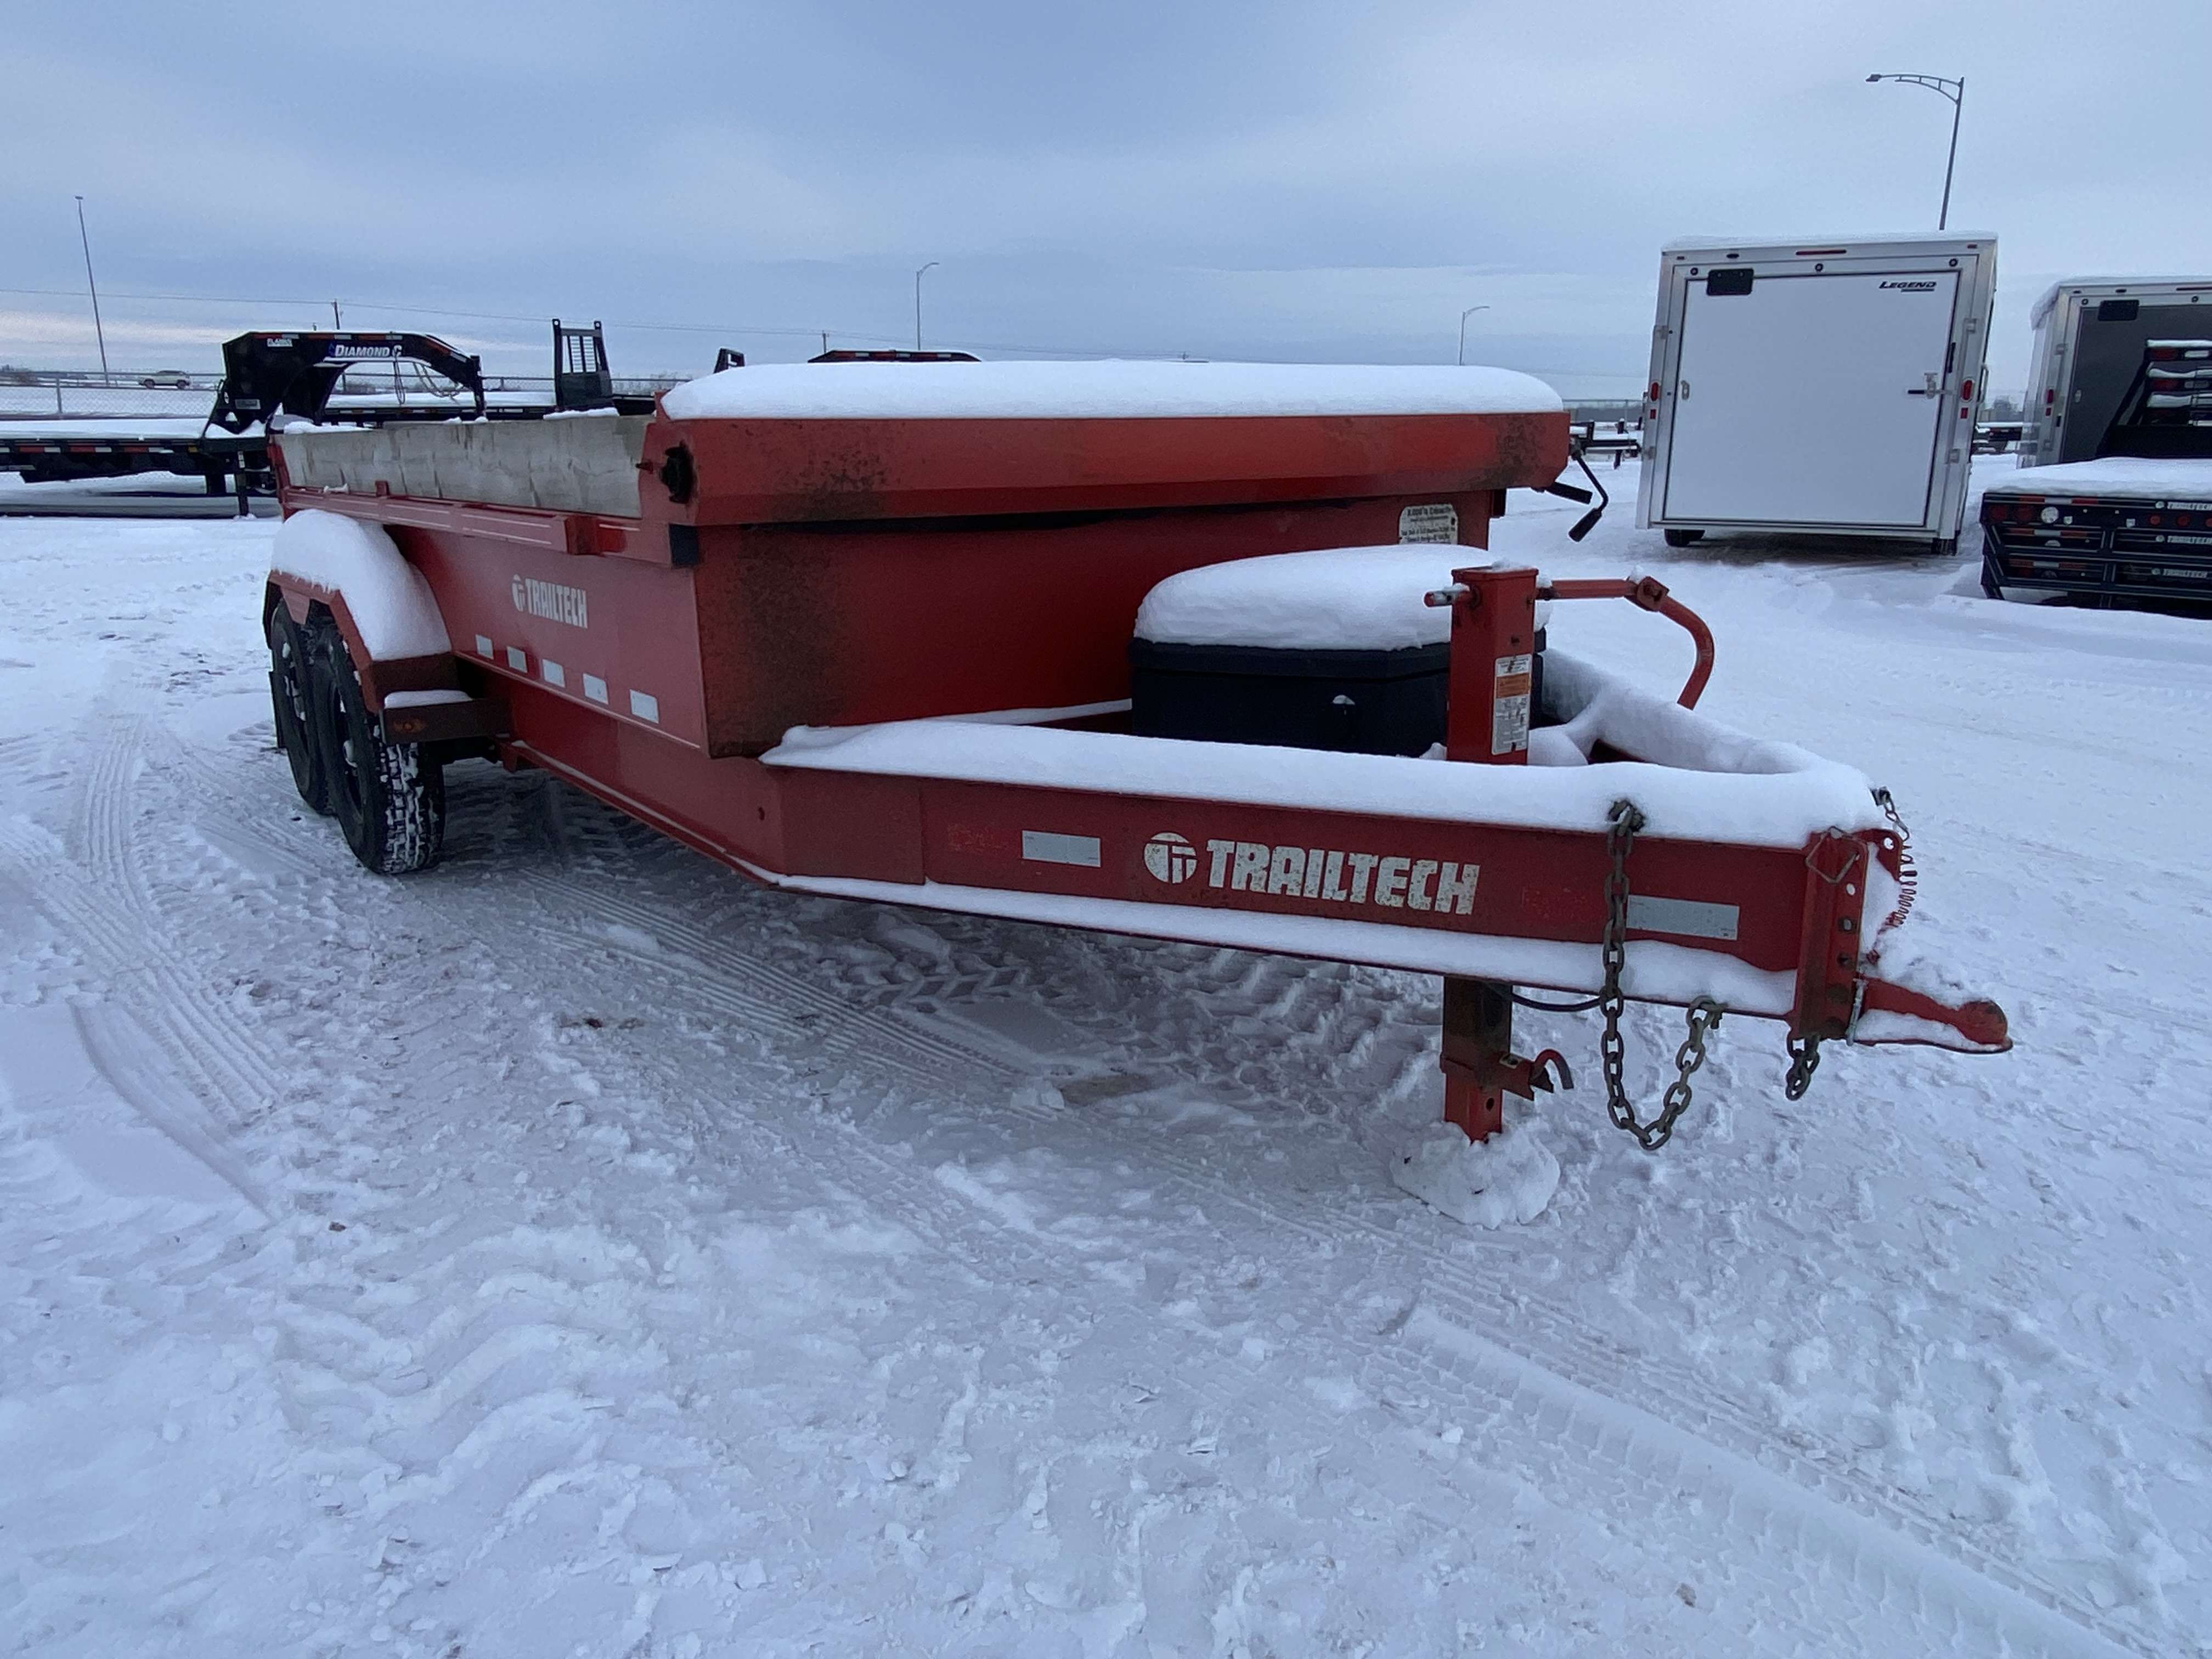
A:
(865, 631)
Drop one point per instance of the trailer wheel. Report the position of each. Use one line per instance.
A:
(289, 696)
(1684, 538)
(389, 798)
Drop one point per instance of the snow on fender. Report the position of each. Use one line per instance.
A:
(1484, 1184)
(390, 603)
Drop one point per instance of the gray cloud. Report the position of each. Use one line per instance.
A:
(1295, 179)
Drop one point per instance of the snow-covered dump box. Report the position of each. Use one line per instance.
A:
(1823, 385)
(833, 543)
(883, 540)
(2090, 335)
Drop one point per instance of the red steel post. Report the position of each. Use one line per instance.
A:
(1493, 639)
(1478, 1035)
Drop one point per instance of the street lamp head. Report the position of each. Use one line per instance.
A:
(1873, 77)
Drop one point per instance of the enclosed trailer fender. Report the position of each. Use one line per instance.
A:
(389, 619)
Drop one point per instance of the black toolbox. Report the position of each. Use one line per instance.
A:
(1366, 703)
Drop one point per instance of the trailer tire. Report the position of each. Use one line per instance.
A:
(1684, 538)
(389, 798)
(291, 705)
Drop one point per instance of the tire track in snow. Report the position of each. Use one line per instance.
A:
(1567, 1356)
(1713, 1452)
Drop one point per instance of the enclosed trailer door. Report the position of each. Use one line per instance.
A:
(1810, 399)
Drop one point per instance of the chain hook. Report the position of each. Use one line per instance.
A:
(1804, 1061)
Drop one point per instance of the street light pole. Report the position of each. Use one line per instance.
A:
(92, 287)
(1464, 316)
(932, 265)
(1956, 91)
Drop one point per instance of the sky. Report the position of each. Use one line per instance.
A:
(1299, 180)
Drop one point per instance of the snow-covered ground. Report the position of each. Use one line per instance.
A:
(577, 1251)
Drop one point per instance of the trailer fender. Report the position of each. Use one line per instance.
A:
(385, 611)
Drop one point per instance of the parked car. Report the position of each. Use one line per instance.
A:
(168, 377)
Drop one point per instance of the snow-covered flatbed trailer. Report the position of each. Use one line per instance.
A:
(2133, 523)
(297, 373)
(865, 631)
(114, 447)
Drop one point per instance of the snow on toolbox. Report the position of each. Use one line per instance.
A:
(866, 632)
(1822, 386)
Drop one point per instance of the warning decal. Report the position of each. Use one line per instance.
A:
(1509, 706)
(1433, 521)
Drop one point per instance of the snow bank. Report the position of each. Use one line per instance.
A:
(1101, 390)
(1484, 1184)
(1693, 779)
(2117, 475)
(390, 602)
(1342, 598)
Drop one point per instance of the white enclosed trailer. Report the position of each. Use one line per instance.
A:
(2090, 333)
(1816, 385)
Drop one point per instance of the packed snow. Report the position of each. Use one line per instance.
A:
(2116, 474)
(1693, 777)
(1345, 599)
(389, 601)
(1489, 1183)
(107, 428)
(579, 1249)
(1106, 389)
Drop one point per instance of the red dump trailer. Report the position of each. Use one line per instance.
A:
(867, 629)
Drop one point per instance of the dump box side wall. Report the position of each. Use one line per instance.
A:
(570, 464)
(850, 623)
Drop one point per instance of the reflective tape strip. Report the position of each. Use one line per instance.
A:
(1044, 846)
(1689, 918)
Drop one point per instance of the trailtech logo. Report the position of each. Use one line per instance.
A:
(1171, 858)
(1325, 873)
(1912, 287)
(552, 601)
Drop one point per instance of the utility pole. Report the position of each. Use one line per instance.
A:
(932, 265)
(1956, 91)
(335, 323)
(92, 287)
(1464, 316)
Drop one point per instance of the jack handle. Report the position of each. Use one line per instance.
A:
(1576, 493)
(1649, 593)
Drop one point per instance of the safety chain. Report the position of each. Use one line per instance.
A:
(1804, 1061)
(1908, 873)
(1704, 1013)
